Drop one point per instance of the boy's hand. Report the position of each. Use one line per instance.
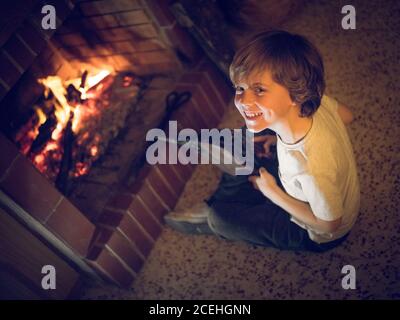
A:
(266, 183)
(262, 145)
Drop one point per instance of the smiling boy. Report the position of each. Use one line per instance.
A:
(309, 198)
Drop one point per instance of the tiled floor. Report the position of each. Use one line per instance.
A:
(362, 71)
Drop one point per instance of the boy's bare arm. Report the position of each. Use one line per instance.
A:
(266, 183)
(302, 211)
(345, 114)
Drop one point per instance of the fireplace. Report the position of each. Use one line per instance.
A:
(75, 105)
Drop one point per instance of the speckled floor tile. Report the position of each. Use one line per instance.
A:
(362, 71)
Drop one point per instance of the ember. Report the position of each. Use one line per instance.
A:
(74, 122)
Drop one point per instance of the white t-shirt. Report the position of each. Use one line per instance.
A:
(321, 170)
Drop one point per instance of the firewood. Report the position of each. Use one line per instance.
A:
(66, 161)
(45, 131)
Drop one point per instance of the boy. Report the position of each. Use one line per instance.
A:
(309, 198)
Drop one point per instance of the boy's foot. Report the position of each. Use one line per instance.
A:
(191, 221)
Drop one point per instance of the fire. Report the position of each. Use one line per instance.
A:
(81, 169)
(63, 109)
(92, 81)
(39, 159)
(76, 111)
(94, 150)
(52, 145)
(41, 116)
(57, 132)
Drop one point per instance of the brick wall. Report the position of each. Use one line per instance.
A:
(22, 39)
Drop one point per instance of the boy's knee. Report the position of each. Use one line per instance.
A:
(214, 221)
(219, 223)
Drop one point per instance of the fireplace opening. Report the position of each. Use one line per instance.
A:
(76, 131)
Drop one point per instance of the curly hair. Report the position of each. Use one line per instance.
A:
(294, 62)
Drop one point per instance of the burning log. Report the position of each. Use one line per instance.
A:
(45, 131)
(66, 161)
(102, 86)
(73, 95)
(83, 79)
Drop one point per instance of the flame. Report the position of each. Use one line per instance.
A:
(57, 87)
(63, 111)
(39, 159)
(94, 150)
(52, 145)
(41, 116)
(92, 81)
(81, 169)
(77, 118)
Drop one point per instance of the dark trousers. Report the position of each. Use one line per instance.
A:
(240, 212)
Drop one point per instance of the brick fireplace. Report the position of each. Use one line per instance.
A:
(107, 221)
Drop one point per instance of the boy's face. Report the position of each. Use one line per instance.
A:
(261, 101)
